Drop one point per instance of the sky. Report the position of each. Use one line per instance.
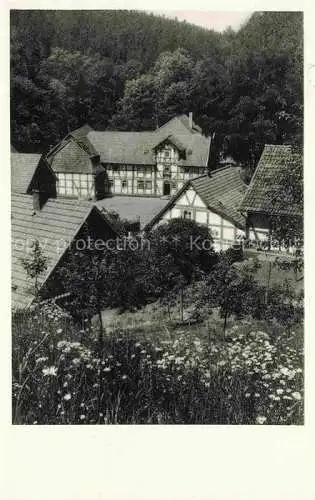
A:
(216, 20)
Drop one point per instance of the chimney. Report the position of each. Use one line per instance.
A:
(190, 120)
(38, 201)
(212, 159)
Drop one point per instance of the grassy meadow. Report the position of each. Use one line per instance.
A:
(153, 369)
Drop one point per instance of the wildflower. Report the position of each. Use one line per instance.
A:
(51, 370)
(101, 414)
(82, 417)
(247, 395)
(261, 419)
(82, 405)
(67, 396)
(285, 371)
(279, 391)
(124, 377)
(107, 369)
(41, 360)
(59, 330)
(76, 361)
(296, 395)
(222, 363)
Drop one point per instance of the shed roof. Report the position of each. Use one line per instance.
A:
(138, 147)
(54, 226)
(267, 175)
(133, 207)
(222, 192)
(23, 167)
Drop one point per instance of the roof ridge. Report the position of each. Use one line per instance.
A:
(225, 167)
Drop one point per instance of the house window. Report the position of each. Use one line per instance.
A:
(166, 172)
(215, 232)
(187, 214)
(167, 153)
(148, 185)
(140, 185)
(124, 184)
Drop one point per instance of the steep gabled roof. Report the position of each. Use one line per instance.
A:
(72, 158)
(138, 147)
(266, 176)
(222, 192)
(124, 147)
(80, 136)
(169, 138)
(184, 119)
(23, 167)
(54, 226)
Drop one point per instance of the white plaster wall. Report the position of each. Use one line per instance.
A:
(201, 217)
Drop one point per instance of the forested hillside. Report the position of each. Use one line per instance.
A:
(132, 70)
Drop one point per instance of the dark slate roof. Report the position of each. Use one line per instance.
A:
(169, 138)
(256, 199)
(222, 192)
(53, 226)
(71, 158)
(133, 207)
(23, 167)
(80, 136)
(138, 147)
(124, 147)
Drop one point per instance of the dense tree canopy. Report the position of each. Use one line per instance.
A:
(132, 70)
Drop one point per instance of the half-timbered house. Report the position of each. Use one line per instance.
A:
(212, 200)
(93, 164)
(256, 205)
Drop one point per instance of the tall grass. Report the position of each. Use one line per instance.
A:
(62, 375)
